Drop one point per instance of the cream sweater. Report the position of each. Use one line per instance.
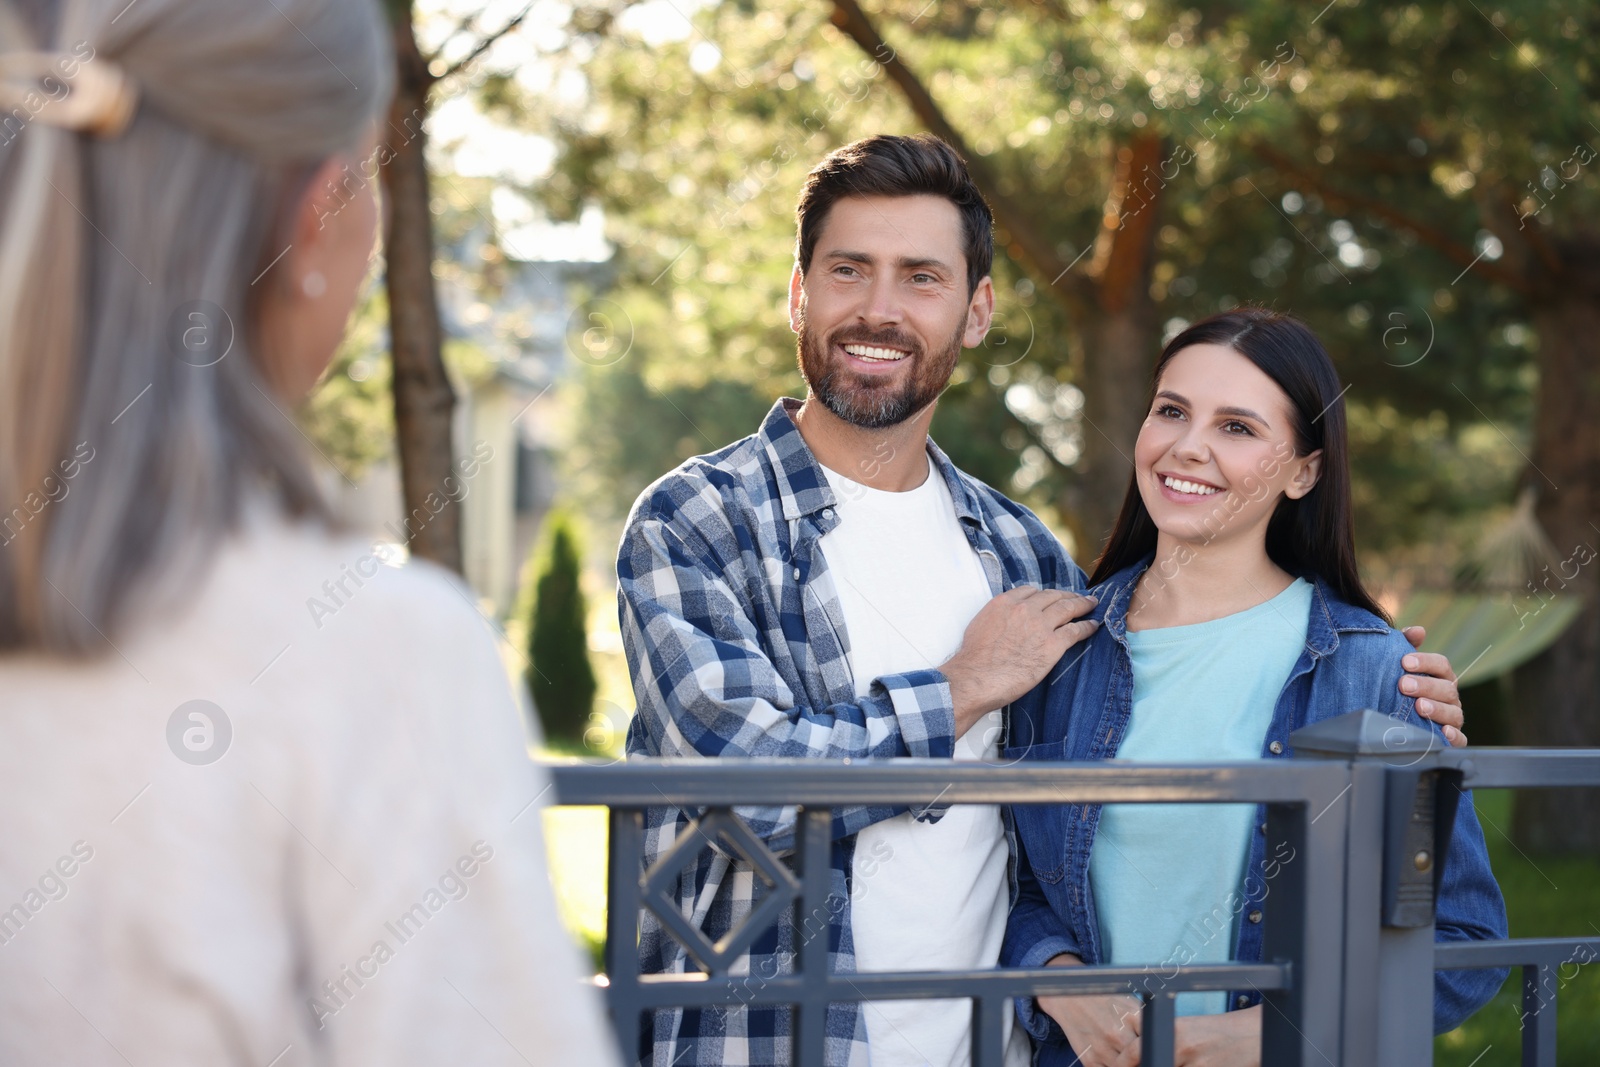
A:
(359, 878)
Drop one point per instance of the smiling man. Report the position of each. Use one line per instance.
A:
(832, 587)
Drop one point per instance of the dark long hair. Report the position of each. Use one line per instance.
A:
(1313, 537)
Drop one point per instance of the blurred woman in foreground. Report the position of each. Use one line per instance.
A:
(265, 799)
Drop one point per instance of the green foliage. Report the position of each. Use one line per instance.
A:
(634, 432)
(560, 674)
(1315, 146)
(350, 415)
(698, 171)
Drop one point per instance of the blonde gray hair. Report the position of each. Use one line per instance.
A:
(127, 451)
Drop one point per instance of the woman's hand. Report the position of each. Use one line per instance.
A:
(1232, 1039)
(1100, 1029)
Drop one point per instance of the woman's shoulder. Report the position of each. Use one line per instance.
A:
(1360, 630)
(317, 619)
(1360, 659)
(1379, 651)
(308, 580)
(340, 639)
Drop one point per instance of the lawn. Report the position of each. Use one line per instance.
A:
(576, 839)
(1544, 898)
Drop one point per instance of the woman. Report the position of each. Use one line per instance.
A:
(266, 799)
(1232, 614)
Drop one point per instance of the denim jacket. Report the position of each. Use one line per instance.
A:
(1080, 712)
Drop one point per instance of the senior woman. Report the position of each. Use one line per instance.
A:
(236, 830)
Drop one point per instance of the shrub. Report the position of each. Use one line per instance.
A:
(560, 675)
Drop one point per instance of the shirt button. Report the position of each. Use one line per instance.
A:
(1242, 1002)
(797, 578)
(827, 513)
(1255, 915)
(1276, 748)
(1262, 828)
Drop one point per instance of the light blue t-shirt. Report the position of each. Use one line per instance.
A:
(1168, 878)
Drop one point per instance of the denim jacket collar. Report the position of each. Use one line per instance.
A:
(1330, 615)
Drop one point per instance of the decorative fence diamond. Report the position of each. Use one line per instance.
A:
(719, 824)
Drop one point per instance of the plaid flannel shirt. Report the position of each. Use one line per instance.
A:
(736, 642)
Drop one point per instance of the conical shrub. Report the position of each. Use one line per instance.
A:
(560, 675)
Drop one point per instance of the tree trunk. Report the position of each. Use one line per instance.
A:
(1558, 694)
(424, 402)
(1121, 342)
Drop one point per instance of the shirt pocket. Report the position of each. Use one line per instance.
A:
(1041, 828)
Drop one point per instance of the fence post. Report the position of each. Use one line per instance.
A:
(1300, 1026)
(1398, 829)
(624, 849)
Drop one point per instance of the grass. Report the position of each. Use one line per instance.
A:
(1544, 898)
(576, 837)
(576, 840)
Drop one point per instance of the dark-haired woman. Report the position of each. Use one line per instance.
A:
(1232, 614)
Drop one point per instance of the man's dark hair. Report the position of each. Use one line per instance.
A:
(893, 165)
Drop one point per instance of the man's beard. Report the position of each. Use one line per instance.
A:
(867, 401)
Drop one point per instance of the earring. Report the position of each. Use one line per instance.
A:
(314, 284)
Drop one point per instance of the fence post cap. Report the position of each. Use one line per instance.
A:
(1362, 733)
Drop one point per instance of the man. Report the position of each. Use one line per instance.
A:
(832, 587)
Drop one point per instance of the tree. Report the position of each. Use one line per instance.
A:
(1096, 140)
(424, 401)
(560, 675)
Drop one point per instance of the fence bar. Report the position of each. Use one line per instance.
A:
(1538, 1016)
(1158, 1039)
(696, 990)
(1517, 952)
(898, 782)
(622, 928)
(988, 1031)
(1529, 768)
(812, 921)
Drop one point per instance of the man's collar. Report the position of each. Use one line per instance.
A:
(803, 485)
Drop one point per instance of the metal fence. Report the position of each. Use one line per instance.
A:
(1347, 966)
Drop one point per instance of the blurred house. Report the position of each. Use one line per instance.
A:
(505, 416)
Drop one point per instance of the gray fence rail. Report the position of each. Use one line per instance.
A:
(1348, 958)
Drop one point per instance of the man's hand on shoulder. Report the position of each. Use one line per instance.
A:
(1010, 645)
(1433, 682)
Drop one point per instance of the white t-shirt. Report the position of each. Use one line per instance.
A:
(924, 896)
